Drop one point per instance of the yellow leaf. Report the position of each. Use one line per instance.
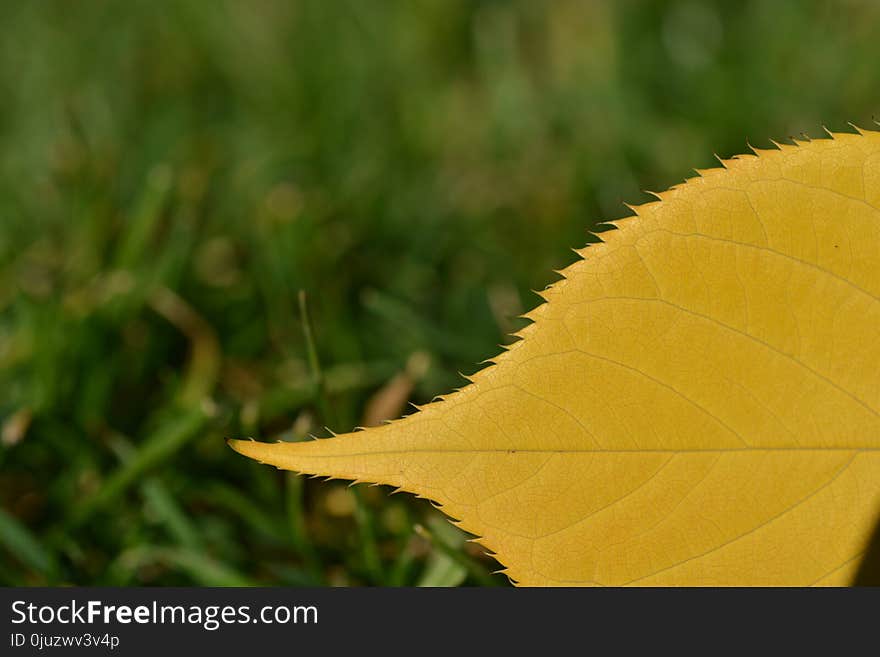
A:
(697, 403)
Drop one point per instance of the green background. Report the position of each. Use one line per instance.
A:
(172, 174)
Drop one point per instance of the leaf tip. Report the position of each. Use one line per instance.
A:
(242, 445)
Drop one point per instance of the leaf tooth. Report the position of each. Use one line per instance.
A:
(530, 316)
(481, 541)
(764, 152)
(580, 253)
(544, 294)
(857, 128)
(635, 208)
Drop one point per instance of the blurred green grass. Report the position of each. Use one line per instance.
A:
(173, 173)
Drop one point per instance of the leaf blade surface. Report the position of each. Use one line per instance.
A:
(696, 403)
